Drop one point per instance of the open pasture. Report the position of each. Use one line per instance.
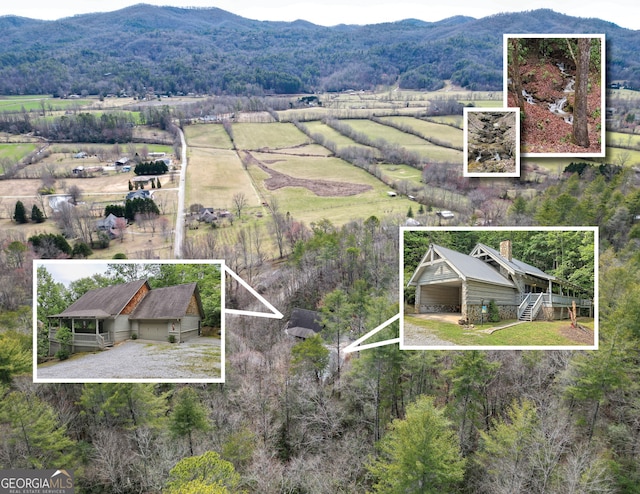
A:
(455, 120)
(359, 194)
(331, 135)
(408, 141)
(16, 152)
(208, 136)
(444, 133)
(304, 205)
(267, 136)
(399, 173)
(622, 139)
(35, 103)
(215, 176)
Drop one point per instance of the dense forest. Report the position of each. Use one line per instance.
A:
(384, 420)
(165, 50)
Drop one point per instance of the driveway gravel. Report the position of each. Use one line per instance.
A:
(196, 359)
(417, 336)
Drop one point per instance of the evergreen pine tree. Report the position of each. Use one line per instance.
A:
(36, 214)
(20, 214)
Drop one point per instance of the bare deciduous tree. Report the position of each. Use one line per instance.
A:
(240, 202)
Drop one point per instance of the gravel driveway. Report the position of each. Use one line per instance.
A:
(198, 358)
(420, 337)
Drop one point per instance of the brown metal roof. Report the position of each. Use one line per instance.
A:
(103, 302)
(167, 303)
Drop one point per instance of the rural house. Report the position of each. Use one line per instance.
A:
(105, 316)
(303, 323)
(453, 282)
(109, 225)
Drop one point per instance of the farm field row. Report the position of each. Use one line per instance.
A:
(410, 142)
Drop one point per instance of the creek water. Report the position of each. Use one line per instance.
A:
(557, 107)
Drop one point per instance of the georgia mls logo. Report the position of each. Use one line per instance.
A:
(36, 482)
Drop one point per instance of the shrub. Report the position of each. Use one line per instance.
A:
(172, 338)
(494, 313)
(64, 337)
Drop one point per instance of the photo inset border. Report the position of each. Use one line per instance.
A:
(558, 82)
(128, 321)
(508, 288)
(491, 142)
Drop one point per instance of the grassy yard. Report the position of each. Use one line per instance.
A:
(537, 333)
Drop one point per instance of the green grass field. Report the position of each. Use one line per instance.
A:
(402, 172)
(35, 102)
(537, 333)
(334, 136)
(267, 136)
(444, 133)
(208, 136)
(214, 176)
(308, 207)
(410, 142)
(15, 152)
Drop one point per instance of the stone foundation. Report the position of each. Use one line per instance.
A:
(438, 308)
(474, 313)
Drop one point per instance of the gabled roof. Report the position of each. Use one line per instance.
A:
(103, 302)
(467, 267)
(513, 265)
(170, 302)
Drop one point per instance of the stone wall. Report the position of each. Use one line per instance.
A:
(437, 308)
(474, 313)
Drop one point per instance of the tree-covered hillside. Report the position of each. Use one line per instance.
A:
(170, 50)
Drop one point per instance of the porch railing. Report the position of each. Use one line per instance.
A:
(85, 339)
(524, 304)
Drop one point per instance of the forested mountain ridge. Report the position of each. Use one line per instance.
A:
(178, 50)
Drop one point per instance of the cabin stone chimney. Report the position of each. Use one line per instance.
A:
(505, 249)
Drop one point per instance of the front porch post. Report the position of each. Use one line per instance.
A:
(73, 335)
(417, 301)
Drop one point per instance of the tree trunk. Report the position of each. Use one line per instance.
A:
(580, 111)
(516, 78)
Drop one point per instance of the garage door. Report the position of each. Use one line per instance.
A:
(153, 331)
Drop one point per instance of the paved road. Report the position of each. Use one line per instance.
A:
(198, 358)
(179, 233)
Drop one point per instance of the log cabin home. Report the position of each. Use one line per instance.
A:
(448, 281)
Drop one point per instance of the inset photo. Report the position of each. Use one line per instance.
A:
(128, 321)
(491, 142)
(558, 83)
(504, 288)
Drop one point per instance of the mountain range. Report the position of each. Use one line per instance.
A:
(172, 50)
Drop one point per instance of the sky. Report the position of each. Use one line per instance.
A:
(625, 13)
(69, 270)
